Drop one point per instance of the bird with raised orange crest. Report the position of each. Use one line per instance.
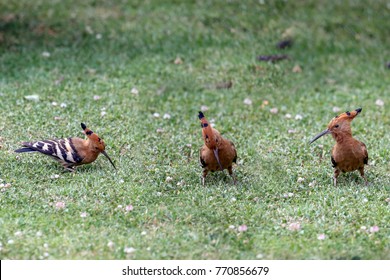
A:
(217, 153)
(348, 154)
(70, 152)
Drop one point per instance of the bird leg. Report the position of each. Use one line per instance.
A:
(230, 169)
(68, 167)
(336, 174)
(205, 172)
(361, 170)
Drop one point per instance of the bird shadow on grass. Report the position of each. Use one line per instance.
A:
(354, 179)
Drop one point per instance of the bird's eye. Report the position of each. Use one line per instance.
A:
(336, 126)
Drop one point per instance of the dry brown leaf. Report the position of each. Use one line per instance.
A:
(297, 69)
(178, 60)
(224, 85)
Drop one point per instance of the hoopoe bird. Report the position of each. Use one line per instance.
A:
(217, 152)
(348, 154)
(70, 152)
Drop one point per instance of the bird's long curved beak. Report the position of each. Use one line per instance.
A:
(217, 157)
(104, 153)
(326, 131)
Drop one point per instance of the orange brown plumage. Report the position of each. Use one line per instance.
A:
(217, 153)
(70, 152)
(349, 154)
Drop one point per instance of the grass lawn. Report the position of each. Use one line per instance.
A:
(137, 73)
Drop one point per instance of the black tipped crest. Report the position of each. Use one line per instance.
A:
(201, 115)
(83, 126)
(358, 110)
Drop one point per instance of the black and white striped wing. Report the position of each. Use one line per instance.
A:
(62, 150)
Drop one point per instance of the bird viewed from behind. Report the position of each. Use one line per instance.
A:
(348, 154)
(70, 152)
(217, 152)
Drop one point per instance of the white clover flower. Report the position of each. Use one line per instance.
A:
(247, 101)
(129, 250)
(321, 236)
(294, 226)
(298, 117)
(274, 110)
(204, 108)
(379, 102)
(242, 228)
(110, 244)
(336, 109)
(134, 91)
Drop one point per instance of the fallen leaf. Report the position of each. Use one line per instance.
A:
(273, 58)
(59, 81)
(8, 18)
(284, 44)
(178, 60)
(224, 85)
(41, 29)
(297, 69)
(33, 97)
(288, 33)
